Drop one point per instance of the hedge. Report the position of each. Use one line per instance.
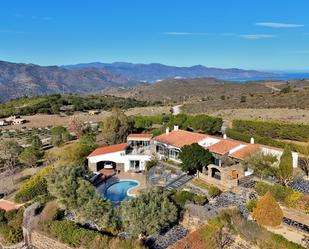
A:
(33, 187)
(232, 133)
(298, 132)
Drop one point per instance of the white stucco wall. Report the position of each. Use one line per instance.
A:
(117, 157)
(278, 154)
(120, 157)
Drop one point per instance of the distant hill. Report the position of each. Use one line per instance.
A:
(18, 79)
(204, 94)
(156, 72)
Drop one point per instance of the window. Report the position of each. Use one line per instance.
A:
(173, 153)
(134, 164)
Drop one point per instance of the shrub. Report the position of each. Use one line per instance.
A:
(213, 191)
(182, 197)
(251, 205)
(70, 233)
(33, 187)
(10, 226)
(268, 211)
(279, 192)
(200, 199)
(150, 164)
(10, 215)
(292, 199)
(75, 236)
(2, 215)
(50, 212)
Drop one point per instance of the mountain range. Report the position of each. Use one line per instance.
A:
(154, 72)
(19, 79)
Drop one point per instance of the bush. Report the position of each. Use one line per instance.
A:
(50, 212)
(268, 211)
(69, 233)
(150, 164)
(292, 199)
(251, 205)
(182, 197)
(2, 215)
(200, 199)
(278, 192)
(11, 226)
(75, 236)
(213, 191)
(35, 186)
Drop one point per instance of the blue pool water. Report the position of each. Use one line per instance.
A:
(117, 192)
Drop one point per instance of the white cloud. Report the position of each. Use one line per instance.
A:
(256, 36)
(279, 25)
(184, 33)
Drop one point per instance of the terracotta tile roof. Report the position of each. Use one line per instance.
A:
(108, 149)
(144, 135)
(224, 146)
(8, 205)
(180, 138)
(245, 151)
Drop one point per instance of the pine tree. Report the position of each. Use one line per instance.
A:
(268, 211)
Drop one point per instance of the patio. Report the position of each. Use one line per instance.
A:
(163, 174)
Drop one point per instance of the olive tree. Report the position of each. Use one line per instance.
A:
(148, 212)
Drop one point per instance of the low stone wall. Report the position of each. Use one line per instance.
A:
(42, 242)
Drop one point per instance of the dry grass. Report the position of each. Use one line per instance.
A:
(265, 114)
(44, 120)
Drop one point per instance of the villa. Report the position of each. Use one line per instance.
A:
(228, 154)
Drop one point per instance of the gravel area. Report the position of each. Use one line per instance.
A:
(226, 200)
(300, 185)
(162, 241)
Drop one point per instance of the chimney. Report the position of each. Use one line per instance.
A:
(176, 127)
(252, 140)
(224, 136)
(167, 131)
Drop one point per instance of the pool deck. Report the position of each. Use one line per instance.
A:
(134, 176)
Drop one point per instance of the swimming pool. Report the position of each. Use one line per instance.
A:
(117, 192)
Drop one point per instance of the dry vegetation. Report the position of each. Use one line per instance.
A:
(265, 114)
(44, 120)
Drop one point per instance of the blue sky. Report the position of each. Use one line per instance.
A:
(250, 34)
